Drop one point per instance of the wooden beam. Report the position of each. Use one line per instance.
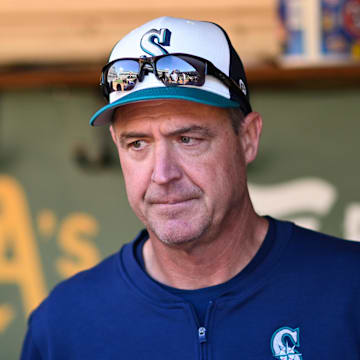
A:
(35, 6)
(81, 31)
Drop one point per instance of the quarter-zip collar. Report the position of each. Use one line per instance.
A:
(250, 279)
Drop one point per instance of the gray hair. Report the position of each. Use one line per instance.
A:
(236, 117)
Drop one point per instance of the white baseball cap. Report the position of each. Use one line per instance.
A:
(169, 35)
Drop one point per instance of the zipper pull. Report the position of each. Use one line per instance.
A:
(202, 334)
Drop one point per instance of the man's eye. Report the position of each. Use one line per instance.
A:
(185, 139)
(189, 140)
(137, 144)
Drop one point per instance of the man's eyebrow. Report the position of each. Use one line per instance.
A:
(130, 135)
(192, 128)
(184, 130)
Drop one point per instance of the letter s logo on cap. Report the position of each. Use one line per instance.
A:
(152, 41)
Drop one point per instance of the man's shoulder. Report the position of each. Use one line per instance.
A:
(317, 263)
(314, 249)
(325, 243)
(94, 287)
(84, 289)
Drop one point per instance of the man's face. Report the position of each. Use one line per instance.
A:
(183, 165)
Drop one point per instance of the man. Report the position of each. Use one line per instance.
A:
(208, 278)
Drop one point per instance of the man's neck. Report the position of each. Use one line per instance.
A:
(206, 263)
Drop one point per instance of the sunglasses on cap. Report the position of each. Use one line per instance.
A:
(171, 69)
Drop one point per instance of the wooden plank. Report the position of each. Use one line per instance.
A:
(86, 31)
(97, 6)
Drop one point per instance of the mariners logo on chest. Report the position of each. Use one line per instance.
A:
(285, 343)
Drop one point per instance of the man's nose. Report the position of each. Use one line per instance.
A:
(166, 167)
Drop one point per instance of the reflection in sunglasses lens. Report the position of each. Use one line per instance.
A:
(172, 70)
(122, 75)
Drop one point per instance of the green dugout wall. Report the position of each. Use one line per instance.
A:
(62, 200)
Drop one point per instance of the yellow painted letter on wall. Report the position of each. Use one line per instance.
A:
(19, 258)
(82, 254)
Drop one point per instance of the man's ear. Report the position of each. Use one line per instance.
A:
(112, 132)
(250, 135)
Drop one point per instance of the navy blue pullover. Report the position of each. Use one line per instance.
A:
(300, 301)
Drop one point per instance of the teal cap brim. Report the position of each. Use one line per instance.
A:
(104, 115)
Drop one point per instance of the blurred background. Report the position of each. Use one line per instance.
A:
(62, 201)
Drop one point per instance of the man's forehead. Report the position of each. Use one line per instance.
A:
(170, 113)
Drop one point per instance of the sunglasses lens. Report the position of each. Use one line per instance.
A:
(180, 70)
(122, 75)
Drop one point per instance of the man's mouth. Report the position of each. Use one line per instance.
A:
(170, 201)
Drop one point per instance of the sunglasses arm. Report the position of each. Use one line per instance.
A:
(229, 82)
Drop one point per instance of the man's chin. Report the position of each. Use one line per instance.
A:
(173, 234)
